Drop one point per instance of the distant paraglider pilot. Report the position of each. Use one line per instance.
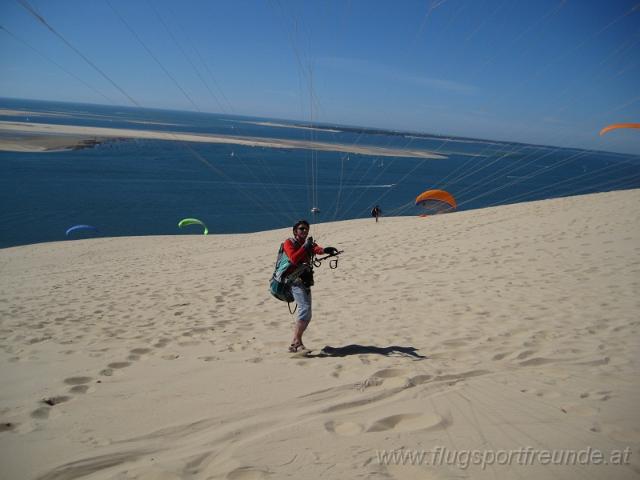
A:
(376, 212)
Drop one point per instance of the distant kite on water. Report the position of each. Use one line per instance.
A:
(193, 221)
(436, 201)
(81, 228)
(615, 126)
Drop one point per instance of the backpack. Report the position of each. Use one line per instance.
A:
(278, 285)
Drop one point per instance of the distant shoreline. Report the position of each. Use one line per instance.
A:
(292, 125)
(41, 137)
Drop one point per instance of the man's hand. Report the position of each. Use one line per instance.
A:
(308, 245)
(330, 250)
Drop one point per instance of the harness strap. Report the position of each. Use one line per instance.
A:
(295, 243)
(333, 264)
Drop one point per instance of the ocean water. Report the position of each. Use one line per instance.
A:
(144, 187)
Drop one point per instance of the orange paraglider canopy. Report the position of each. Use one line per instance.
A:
(619, 125)
(436, 196)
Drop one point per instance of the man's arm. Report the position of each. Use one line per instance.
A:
(296, 255)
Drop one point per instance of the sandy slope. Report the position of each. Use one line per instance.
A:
(164, 357)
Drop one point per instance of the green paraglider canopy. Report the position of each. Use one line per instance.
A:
(193, 221)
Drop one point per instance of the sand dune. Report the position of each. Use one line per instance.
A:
(31, 136)
(505, 329)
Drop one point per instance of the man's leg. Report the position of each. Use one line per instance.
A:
(302, 296)
(298, 330)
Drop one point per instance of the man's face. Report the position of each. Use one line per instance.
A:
(302, 231)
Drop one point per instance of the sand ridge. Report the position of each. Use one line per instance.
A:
(28, 136)
(164, 357)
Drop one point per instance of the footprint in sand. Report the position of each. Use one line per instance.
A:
(604, 395)
(596, 363)
(455, 342)
(500, 356)
(79, 389)
(390, 377)
(118, 365)
(41, 413)
(51, 401)
(580, 410)
(136, 353)
(247, 473)
(209, 358)
(110, 370)
(458, 377)
(409, 422)
(163, 342)
(548, 394)
(344, 429)
(420, 379)
(77, 380)
(369, 382)
(7, 426)
(537, 361)
(525, 354)
(389, 373)
(79, 384)
(44, 411)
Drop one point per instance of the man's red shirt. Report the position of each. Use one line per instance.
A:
(297, 253)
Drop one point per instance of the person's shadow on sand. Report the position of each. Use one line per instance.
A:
(345, 351)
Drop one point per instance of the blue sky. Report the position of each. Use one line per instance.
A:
(550, 72)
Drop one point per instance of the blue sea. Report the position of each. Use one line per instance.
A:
(145, 187)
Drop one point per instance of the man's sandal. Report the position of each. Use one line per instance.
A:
(293, 348)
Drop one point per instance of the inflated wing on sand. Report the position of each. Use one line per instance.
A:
(436, 201)
(193, 221)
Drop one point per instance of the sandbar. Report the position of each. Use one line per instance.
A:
(76, 133)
